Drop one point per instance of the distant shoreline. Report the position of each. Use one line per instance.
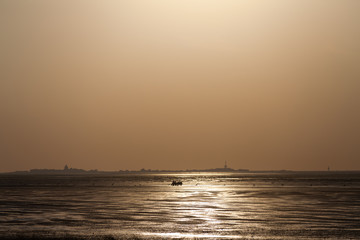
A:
(75, 171)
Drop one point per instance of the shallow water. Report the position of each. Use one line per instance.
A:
(207, 206)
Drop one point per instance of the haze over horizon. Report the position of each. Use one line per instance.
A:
(110, 85)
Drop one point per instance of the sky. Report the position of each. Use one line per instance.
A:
(180, 84)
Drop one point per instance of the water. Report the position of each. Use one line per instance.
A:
(207, 206)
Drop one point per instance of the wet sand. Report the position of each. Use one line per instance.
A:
(207, 206)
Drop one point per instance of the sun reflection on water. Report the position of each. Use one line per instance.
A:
(201, 208)
(192, 236)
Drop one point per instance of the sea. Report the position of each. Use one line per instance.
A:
(263, 205)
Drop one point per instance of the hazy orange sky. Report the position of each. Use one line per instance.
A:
(180, 84)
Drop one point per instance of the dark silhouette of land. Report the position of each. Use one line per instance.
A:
(68, 170)
(225, 169)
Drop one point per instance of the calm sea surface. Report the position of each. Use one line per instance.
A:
(207, 206)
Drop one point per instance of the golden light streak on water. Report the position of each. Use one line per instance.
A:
(192, 236)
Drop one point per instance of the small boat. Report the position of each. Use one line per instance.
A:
(176, 183)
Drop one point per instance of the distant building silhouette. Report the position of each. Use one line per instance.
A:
(225, 165)
(66, 167)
